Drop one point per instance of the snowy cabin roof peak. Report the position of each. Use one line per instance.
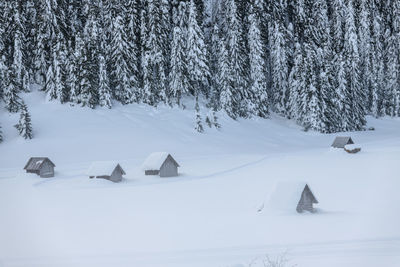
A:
(341, 141)
(35, 163)
(292, 196)
(99, 168)
(155, 160)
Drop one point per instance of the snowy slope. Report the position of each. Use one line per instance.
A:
(208, 215)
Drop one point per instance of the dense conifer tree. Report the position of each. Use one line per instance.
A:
(197, 61)
(24, 125)
(258, 77)
(199, 125)
(10, 94)
(355, 93)
(104, 88)
(178, 76)
(1, 135)
(279, 68)
(238, 77)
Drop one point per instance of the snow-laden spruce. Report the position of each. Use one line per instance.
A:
(24, 125)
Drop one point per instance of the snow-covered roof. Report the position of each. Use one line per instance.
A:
(99, 168)
(286, 195)
(352, 146)
(36, 162)
(155, 160)
(341, 141)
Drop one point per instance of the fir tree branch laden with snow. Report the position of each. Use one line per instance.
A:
(24, 125)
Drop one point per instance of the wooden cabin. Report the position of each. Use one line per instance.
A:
(342, 141)
(106, 170)
(293, 196)
(162, 164)
(307, 200)
(42, 166)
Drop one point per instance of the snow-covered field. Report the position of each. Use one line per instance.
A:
(208, 215)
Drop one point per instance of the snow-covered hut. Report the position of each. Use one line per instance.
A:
(107, 170)
(42, 166)
(341, 141)
(291, 196)
(160, 163)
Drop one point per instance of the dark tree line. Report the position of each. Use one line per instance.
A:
(324, 63)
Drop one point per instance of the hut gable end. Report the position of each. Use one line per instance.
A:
(292, 196)
(160, 163)
(107, 170)
(341, 141)
(35, 163)
(41, 166)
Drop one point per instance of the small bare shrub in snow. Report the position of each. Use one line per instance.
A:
(279, 261)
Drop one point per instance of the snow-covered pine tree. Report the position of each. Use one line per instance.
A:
(88, 64)
(18, 64)
(215, 122)
(3, 73)
(200, 5)
(83, 86)
(71, 80)
(50, 86)
(104, 89)
(377, 63)
(213, 63)
(337, 22)
(3, 27)
(72, 23)
(296, 84)
(396, 35)
(355, 92)
(279, 68)
(321, 42)
(29, 20)
(155, 38)
(310, 105)
(1, 135)
(46, 30)
(24, 125)
(199, 125)
(54, 85)
(132, 22)
(299, 20)
(212, 119)
(227, 98)
(121, 73)
(178, 75)
(237, 60)
(197, 61)
(364, 33)
(64, 65)
(258, 76)
(391, 92)
(10, 94)
(342, 102)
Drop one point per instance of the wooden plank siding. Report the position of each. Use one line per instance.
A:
(169, 168)
(46, 170)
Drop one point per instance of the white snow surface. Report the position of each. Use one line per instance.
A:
(206, 217)
(99, 168)
(154, 161)
(286, 196)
